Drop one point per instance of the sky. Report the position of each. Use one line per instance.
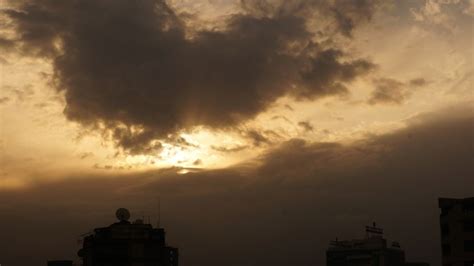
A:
(266, 127)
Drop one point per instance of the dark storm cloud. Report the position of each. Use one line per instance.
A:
(283, 211)
(388, 91)
(134, 70)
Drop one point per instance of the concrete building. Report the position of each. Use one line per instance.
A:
(457, 231)
(127, 244)
(373, 250)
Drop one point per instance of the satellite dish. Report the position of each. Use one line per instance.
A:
(122, 214)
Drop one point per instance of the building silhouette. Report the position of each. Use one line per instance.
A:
(127, 244)
(457, 231)
(373, 250)
(60, 263)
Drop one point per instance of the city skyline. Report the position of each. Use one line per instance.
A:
(266, 127)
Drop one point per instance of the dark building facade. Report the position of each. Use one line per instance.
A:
(60, 263)
(127, 244)
(457, 231)
(373, 250)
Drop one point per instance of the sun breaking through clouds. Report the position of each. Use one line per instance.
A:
(209, 102)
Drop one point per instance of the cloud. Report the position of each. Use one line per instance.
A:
(4, 100)
(258, 138)
(287, 106)
(417, 82)
(344, 15)
(86, 155)
(231, 149)
(282, 209)
(349, 13)
(307, 126)
(469, 10)
(197, 162)
(441, 13)
(283, 118)
(134, 71)
(389, 91)
(3, 61)
(6, 44)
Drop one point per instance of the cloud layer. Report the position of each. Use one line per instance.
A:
(282, 209)
(136, 72)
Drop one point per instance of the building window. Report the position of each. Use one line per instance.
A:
(469, 245)
(446, 249)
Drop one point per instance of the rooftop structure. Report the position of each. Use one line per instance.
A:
(373, 250)
(127, 244)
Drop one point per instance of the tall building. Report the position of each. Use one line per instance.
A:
(457, 231)
(127, 244)
(374, 250)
